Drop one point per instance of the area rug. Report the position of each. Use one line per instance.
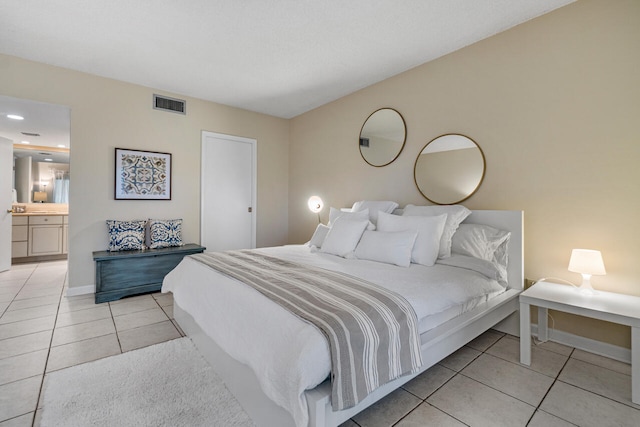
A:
(168, 384)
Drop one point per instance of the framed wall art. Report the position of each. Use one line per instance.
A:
(142, 175)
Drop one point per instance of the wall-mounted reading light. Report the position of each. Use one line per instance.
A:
(315, 205)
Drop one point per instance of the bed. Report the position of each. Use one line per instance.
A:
(277, 369)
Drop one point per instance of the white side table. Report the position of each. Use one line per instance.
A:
(609, 306)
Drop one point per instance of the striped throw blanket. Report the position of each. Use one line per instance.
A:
(372, 332)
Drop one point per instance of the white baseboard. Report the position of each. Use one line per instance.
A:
(81, 290)
(592, 346)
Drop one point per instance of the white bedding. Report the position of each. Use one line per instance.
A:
(289, 355)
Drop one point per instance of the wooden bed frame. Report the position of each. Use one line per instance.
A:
(437, 343)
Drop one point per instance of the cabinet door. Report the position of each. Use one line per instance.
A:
(45, 240)
(19, 233)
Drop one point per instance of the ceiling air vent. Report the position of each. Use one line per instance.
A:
(169, 104)
(30, 134)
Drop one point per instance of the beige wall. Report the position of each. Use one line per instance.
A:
(106, 114)
(555, 105)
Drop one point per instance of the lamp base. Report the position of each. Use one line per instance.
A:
(586, 288)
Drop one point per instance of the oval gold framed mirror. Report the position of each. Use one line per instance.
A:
(382, 137)
(449, 169)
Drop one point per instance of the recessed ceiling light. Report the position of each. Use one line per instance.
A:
(15, 117)
(62, 146)
(25, 142)
(48, 160)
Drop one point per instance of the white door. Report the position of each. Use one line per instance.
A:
(228, 192)
(6, 171)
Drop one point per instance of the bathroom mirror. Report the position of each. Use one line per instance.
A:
(449, 169)
(382, 137)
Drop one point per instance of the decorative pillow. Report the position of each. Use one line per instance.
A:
(429, 229)
(344, 235)
(347, 213)
(477, 240)
(388, 247)
(374, 207)
(164, 233)
(455, 215)
(126, 235)
(319, 235)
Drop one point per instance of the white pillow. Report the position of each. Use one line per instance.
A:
(484, 267)
(337, 213)
(455, 215)
(477, 240)
(374, 207)
(386, 246)
(429, 229)
(344, 235)
(319, 236)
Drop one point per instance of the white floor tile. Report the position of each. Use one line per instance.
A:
(544, 361)
(22, 395)
(553, 346)
(388, 411)
(140, 318)
(426, 415)
(11, 316)
(476, 404)
(34, 302)
(461, 358)
(164, 299)
(144, 336)
(83, 331)
(510, 378)
(82, 351)
(22, 366)
(587, 409)
(605, 362)
(133, 305)
(542, 419)
(485, 340)
(25, 344)
(80, 302)
(21, 421)
(596, 379)
(429, 381)
(24, 327)
(82, 316)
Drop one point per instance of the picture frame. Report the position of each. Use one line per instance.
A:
(142, 175)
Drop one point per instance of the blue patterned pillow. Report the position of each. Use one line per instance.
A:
(164, 233)
(126, 235)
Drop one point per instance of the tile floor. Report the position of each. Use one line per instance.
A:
(42, 330)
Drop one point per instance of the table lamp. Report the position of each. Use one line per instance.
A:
(586, 262)
(39, 196)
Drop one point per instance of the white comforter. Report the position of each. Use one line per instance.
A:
(287, 354)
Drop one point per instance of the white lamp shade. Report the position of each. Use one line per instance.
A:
(315, 204)
(587, 261)
(39, 196)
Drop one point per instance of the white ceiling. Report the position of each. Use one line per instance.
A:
(50, 122)
(278, 57)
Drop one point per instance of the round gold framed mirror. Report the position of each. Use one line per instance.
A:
(382, 137)
(449, 169)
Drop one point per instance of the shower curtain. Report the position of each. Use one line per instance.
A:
(61, 187)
